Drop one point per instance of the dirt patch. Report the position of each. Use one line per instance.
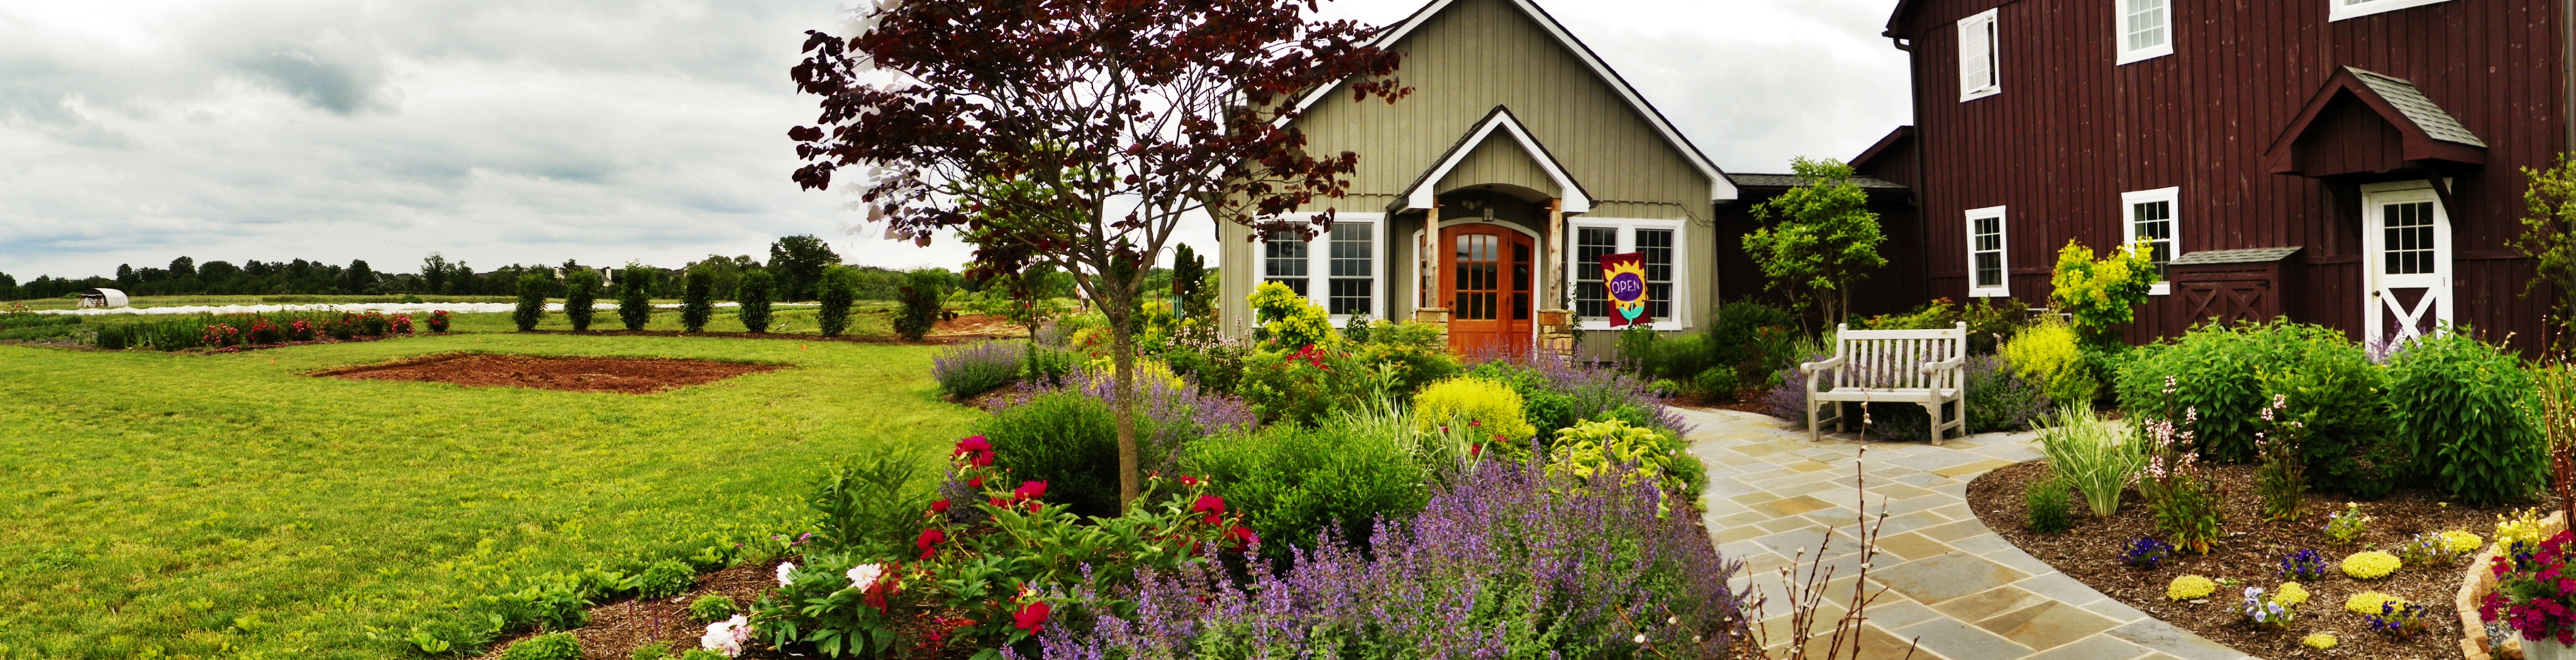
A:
(2252, 552)
(569, 374)
(616, 629)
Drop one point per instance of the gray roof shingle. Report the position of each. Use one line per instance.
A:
(1791, 181)
(2251, 256)
(2423, 111)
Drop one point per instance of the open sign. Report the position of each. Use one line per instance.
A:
(1623, 279)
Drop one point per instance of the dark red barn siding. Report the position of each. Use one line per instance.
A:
(2071, 131)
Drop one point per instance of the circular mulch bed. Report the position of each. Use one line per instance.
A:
(2252, 553)
(569, 374)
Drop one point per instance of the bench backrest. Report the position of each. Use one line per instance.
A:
(1893, 359)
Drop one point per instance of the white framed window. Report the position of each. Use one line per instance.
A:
(1338, 270)
(1989, 263)
(1980, 57)
(2146, 29)
(2337, 10)
(1659, 241)
(2154, 216)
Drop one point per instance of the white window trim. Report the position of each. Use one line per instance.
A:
(2003, 227)
(1628, 243)
(2129, 201)
(2120, 39)
(1319, 265)
(2336, 10)
(1980, 22)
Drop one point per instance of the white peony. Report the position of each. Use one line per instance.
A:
(784, 569)
(727, 636)
(865, 576)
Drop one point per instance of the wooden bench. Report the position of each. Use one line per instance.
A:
(1891, 366)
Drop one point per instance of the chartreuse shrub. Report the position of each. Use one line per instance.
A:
(1289, 321)
(1297, 485)
(1590, 449)
(2102, 294)
(2050, 356)
(2094, 456)
(557, 646)
(1489, 406)
(2468, 407)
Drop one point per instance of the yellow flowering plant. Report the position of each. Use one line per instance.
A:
(2368, 602)
(2521, 529)
(2291, 593)
(2371, 565)
(2319, 641)
(2190, 587)
(2461, 542)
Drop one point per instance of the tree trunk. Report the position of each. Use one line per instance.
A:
(1122, 402)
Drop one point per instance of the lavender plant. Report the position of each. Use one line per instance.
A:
(979, 367)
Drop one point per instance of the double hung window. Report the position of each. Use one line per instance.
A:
(2145, 30)
(1338, 269)
(2337, 10)
(1659, 242)
(1989, 274)
(2152, 217)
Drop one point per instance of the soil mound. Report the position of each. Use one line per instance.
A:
(569, 374)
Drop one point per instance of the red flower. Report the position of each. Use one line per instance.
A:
(999, 503)
(1187, 480)
(1241, 536)
(1211, 505)
(939, 506)
(1475, 450)
(977, 482)
(1031, 617)
(1035, 505)
(1029, 490)
(929, 542)
(983, 459)
(972, 444)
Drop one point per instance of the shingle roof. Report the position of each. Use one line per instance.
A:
(2252, 256)
(2423, 111)
(1791, 181)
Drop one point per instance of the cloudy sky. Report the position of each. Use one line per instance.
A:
(509, 131)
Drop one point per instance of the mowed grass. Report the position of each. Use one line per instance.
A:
(158, 505)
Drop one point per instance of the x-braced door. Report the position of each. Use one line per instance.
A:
(2406, 267)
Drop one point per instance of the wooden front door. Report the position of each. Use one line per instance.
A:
(1491, 273)
(2406, 276)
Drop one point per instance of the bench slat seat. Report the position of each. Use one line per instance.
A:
(1891, 366)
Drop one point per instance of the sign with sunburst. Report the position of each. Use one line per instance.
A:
(1623, 280)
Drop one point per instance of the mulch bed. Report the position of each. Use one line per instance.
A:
(2252, 552)
(569, 374)
(616, 629)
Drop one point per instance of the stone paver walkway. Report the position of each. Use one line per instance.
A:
(1964, 592)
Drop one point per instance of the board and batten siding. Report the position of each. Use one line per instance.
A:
(2071, 131)
(1474, 56)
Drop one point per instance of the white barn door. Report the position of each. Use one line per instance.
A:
(2406, 263)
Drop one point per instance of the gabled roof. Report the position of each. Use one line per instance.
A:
(2427, 132)
(1421, 194)
(1884, 145)
(1720, 188)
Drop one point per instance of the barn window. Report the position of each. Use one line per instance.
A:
(2152, 218)
(1987, 274)
(1338, 270)
(2337, 10)
(2146, 29)
(1980, 58)
(1659, 241)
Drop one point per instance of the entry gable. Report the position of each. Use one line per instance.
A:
(2424, 132)
(1493, 142)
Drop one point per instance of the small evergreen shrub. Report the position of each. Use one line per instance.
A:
(835, 293)
(2046, 502)
(2469, 407)
(697, 299)
(919, 296)
(665, 578)
(556, 646)
(1294, 484)
(753, 294)
(532, 301)
(634, 297)
(973, 369)
(581, 291)
(711, 608)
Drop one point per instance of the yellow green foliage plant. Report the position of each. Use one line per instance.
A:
(2461, 541)
(1490, 407)
(2318, 641)
(2371, 565)
(2190, 587)
(2050, 354)
(2368, 602)
(1592, 447)
(2291, 593)
(1289, 321)
(2102, 293)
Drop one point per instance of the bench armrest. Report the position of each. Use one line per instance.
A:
(1944, 365)
(1828, 363)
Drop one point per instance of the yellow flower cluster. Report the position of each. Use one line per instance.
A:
(2370, 565)
(2461, 542)
(2290, 593)
(2368, 602)
(2522, 528)
(2189, 587)
(2319, 641)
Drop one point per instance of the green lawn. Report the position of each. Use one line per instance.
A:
(228, 506)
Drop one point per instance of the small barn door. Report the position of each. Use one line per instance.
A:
(1490, 272)
(2406, 270)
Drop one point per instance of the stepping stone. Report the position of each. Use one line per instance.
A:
(1946, 576)
(2048, 624)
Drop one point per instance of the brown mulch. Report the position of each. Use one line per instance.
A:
(2252, 552)
(615, 629)
(570, 374)
(1748, 400)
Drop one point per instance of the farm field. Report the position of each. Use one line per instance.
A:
(159, 505)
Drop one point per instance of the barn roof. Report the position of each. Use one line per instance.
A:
(1792, 181)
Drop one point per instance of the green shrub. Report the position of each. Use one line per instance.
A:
(665, 578)
(581, 290)
(532, 301)
(1292, 484)
(711, 608)
(753, 294)
(1594, 447)
(1305, 386)
(1718, 383)
(2046, 506)
(1742, 336)
(2050, 355)
(697, 299)
(1068, 440)
(870, 502)
(557, 646)
(653, 651)
(2470, 408)
(1480, 403)
(1288, 321)
(2095, 457)
(634, 297)
(835, 293)
(702, 654)
(1417, 352)
(553, 601)
(2229, 374)
(920, 295)
(1999, 399)
(115, 337)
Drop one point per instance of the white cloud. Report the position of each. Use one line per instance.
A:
(509, 131)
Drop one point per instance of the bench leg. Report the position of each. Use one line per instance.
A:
(1813, 434)
(1933, 410)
